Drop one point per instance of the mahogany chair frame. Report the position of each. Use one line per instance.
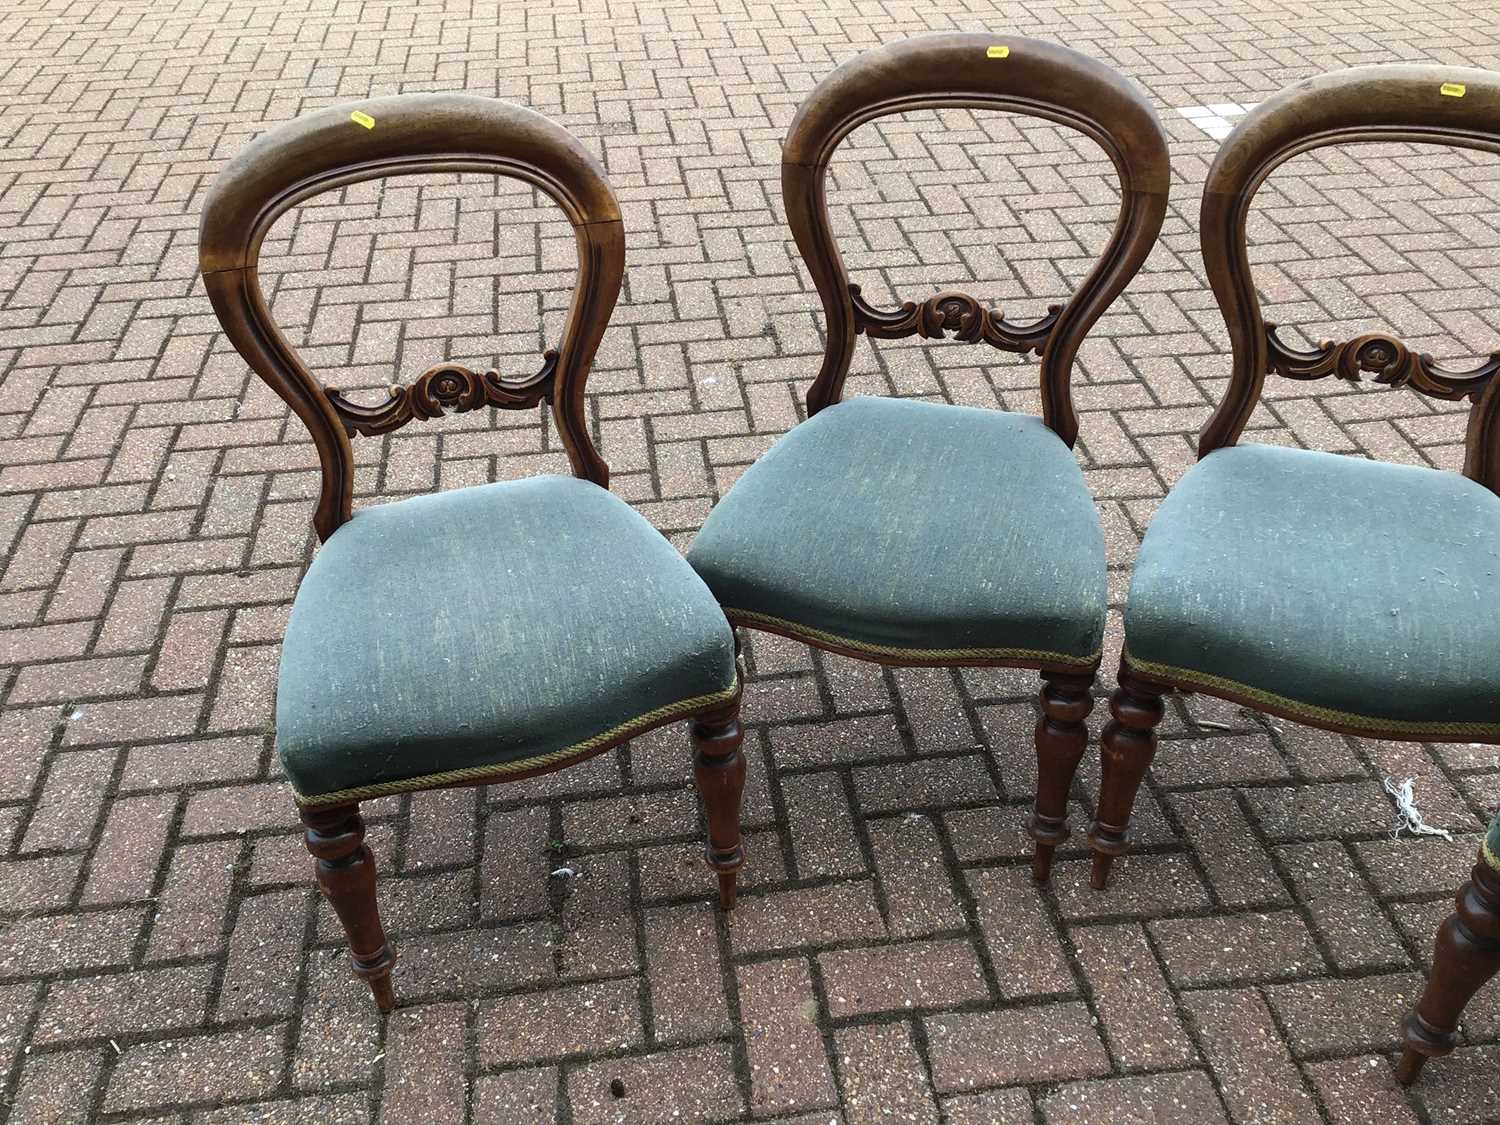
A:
(1386, 103)
(1014, 74)
(411, 134)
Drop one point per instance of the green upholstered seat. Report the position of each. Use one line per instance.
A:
(489, 628)
(1334, 589)
(914, 530)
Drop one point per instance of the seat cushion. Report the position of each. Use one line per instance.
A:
(493, 628)
(1343, 591)
(914, 530)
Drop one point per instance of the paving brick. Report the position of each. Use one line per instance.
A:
(267, 936)
(597, 897)
(682, 956)
(560, 1021)
(185, 763)
(513, 876)
(130, 849)
(34, 947)
(1359, 1090)
(925, 784)
(338, 1037)
(1019, 934)
(1235, 947)
(190, 911)
(692, 1084)
(72, 792)
(425, 1064)
(1239, 871)
(471, 961)
(994, 1107)
(821, 824)
(995, 1048)
(1131, 995)
(1345, 915)
(778, 1012)
(124, 1003)
(333, 1109)
(881, 1076)
(442, 830)
(216, 1067)
(515, 1095)
(239, 808)
(44, 883)
(919, 895)
(1344, 1016)
(1140, 886)
(1255, 1073)
(58, 1086)
(1186, 1098)
(920, 974)
(826, 915)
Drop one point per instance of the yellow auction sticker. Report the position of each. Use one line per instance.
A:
(1001, 52)
(1452, 89)
(362, 119)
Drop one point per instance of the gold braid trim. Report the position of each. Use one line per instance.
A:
(813, 636)
(637, 725)
(1489, 857)
(1479, 732)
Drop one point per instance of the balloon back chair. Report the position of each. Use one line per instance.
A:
(915, 533)
(1343, 593)
(487, 633)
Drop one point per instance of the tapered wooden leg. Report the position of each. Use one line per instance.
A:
(1126, 749)
(1061, 739)
(1466, 954)
(346, 872)
(719, 768)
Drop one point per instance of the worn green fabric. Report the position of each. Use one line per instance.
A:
(902, 525)
(1363, 589)
(484, 626)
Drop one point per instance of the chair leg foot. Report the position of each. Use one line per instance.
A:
(1099, 875)
(1409, 1067)
(345, 867)
(1466, 954)
(1061, 739)
(719, 769)
(1126, 749)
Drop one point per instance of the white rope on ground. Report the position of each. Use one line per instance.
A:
(1408, 817)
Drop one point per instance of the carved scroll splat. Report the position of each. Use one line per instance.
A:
(1390, 360)
(958, 313)
(448, 387)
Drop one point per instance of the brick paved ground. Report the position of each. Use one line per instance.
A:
(162, 954)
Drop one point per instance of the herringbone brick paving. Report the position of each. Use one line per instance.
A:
(163, 956)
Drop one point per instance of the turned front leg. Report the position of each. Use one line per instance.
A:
(1465, 956)
(1061, 739)
(346, 873)
(1126, 748)
(719, 768)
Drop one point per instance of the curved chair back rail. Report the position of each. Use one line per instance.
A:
(975, 71)
(402, 135)
(1418, 103)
